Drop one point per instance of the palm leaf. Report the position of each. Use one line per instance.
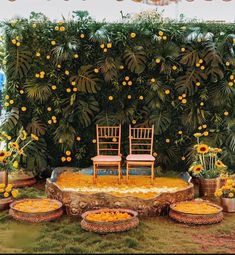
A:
(135, 59)
(11, 119)
(36, 127)
(87, 81)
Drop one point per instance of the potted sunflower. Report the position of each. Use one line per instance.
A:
(207, 167)
(11, 151)
(7, 194)
(227, 196)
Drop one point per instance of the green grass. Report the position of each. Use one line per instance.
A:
(154, 235)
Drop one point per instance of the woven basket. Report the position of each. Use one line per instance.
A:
(104, 227)
(196, 219)
(38, 216)
(207, 187)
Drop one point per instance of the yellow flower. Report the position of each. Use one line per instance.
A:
(66, 72)
(141, 97)
(6, 104)
(160, 33)
(180, 132)
(68, 153)
(183, 49)
(206, 133)
(133, 35)
(16, 164)
(197, 134)
(134, 122)
(63, 159)
(227, 63)
(78, 138)
(34, 137)
(218, 193)
(167, 92)
(73, 83)
(109, 45)
(129, 83)
(129, 96)
(75, 56)
(230, 195)
(180, 97)
(94, 141)
(49, 109)
(53, 87)
(105, 50)
(202, 148)
(23, 135)
(82, 36)
(123, 83)
(219, 163)
(230, 84)
(13, 41)
(229, 182)
(23, 108)
(168, 140)
(164, 37)
(226, 113)
(15, 193)
(58, 66)
(69, 159)
(102, 46)
(231, 77)
(152, 80)
(38, 54)
(158, 60)
(2, 185)
(197, 169)
(75, 89)
(53, 42)
(62, 28)
(174, 67)
(14, 145)
(2, 190)
(7, 96)
(198, 84)
(110, 98)
(49, 122)
(68, 90)
(184, 101)
(96, 70)
(6, 194)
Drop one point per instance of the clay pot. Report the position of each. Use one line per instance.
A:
(228, 204)
(4, 203)
(207, 187)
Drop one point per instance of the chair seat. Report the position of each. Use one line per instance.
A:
(106, 158)
(140, 157)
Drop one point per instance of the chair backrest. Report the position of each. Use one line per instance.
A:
(108, 140)
(141, 140)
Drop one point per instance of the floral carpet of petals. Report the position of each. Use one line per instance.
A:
(108, 216)
(137, 186)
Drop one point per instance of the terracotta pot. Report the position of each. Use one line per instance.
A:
(4, 203)
(228, 204)
(4, 177)
(207, 187)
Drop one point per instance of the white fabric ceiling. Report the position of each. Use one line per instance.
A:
(110, 9)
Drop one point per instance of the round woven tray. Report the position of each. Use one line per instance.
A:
(196, 219)
(104, 227)
(38, 216)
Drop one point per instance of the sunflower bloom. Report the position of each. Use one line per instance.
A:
(197, 169)
(219, 163)
(14, 145)
(202, 148)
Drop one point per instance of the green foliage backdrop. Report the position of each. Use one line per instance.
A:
(65, 77)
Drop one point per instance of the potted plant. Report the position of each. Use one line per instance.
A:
(208, 167)
(11, 151)
(227, 196)
(7, 194)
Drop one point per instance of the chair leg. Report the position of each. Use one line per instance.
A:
(94, 173)
(119, 172)
(127, 171)
(152, 173)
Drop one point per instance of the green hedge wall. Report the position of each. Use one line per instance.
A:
(65, 77)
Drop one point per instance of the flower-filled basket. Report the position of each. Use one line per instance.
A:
(227, 196)
(208, 167)
(7, 194)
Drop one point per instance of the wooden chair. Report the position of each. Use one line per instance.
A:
(141, 148)
(108, 150)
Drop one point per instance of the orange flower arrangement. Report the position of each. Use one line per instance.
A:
(108, 216)
(36, 206)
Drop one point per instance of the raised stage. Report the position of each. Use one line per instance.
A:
(78, 193)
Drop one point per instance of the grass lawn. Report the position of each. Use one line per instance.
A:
(154, 235)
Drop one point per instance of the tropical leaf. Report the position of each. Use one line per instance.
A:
(38, 91)
(65, 135)
(11, 119)
(36, 127)
(82, 110)
(186, 83)
(189, 57)
(87, 81)
(19, 63)
(135, 59)
(109, 69)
